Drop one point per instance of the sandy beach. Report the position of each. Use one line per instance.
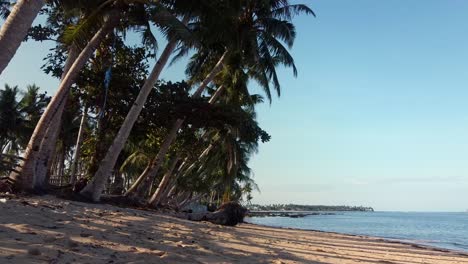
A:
(50, 230)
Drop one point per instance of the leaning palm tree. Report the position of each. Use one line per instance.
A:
(24, 178)
(175, 30)
(202, 34)
(257, 30)
(135, 18)
(15, 28)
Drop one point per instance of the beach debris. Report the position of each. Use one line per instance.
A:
(85, 235)
(228, 214)
(26, 203)
(159, 253)
(49, 239)
(34, 251)
(181, 244)
(3, 200)
(72, 244)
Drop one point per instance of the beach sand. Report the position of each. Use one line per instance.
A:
(50, 230)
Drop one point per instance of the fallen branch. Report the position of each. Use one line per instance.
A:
(229, 214)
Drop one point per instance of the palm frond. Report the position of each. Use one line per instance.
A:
(289, 11)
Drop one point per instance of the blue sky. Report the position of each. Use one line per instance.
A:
(378, 115)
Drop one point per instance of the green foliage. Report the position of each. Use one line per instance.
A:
(217, 139)
(18, 117)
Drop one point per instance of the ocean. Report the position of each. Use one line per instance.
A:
(442, 230)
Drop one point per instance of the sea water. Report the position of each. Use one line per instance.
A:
(443, 230)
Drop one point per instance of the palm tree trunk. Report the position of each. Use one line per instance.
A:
(25, 179)
(157, 161)
(216, 95)
(16, 27)
(45, 157)
(210, 77)
(164, 192)
(61, 170)
(175, 128)
(156, 197)
(48, 144)
(172, 181)
(94, 189)
(79, 141)
(202, 155)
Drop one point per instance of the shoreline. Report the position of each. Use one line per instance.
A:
(383, 239)
(47, 229)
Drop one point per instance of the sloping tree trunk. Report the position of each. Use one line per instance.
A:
(61, 165)
(142, 176)
(25, 178)
(16, 27)
(48, 144)
(176, 126)
(157, 161)
(202, 155)
(156, 197)
(216, 95)
(94, 189)
(210, 77)
(164, 191)
(172, 182)
(79, 141)
(45, 157)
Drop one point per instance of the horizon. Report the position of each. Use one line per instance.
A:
(377, 115)
(367, 206)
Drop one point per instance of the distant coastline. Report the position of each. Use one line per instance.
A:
(297, 211)
(309, 208)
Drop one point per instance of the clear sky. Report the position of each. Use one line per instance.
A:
(378, 115)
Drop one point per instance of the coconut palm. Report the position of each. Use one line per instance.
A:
(15, 28)
(17, 121)
(175, 30)
(257, 26)
(99, 18)
(25, 178)
(18, 117)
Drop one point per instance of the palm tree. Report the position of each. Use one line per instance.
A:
(18, 118)
(60, 21)
(17, 121)
(15, 28)
(48, 143)
(25, 178)
(11, 119)
(258, 29)
(79, 142)
(94, 189)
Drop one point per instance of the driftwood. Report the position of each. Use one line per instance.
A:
(229, 214)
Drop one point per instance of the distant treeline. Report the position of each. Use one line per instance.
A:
(297, 207)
